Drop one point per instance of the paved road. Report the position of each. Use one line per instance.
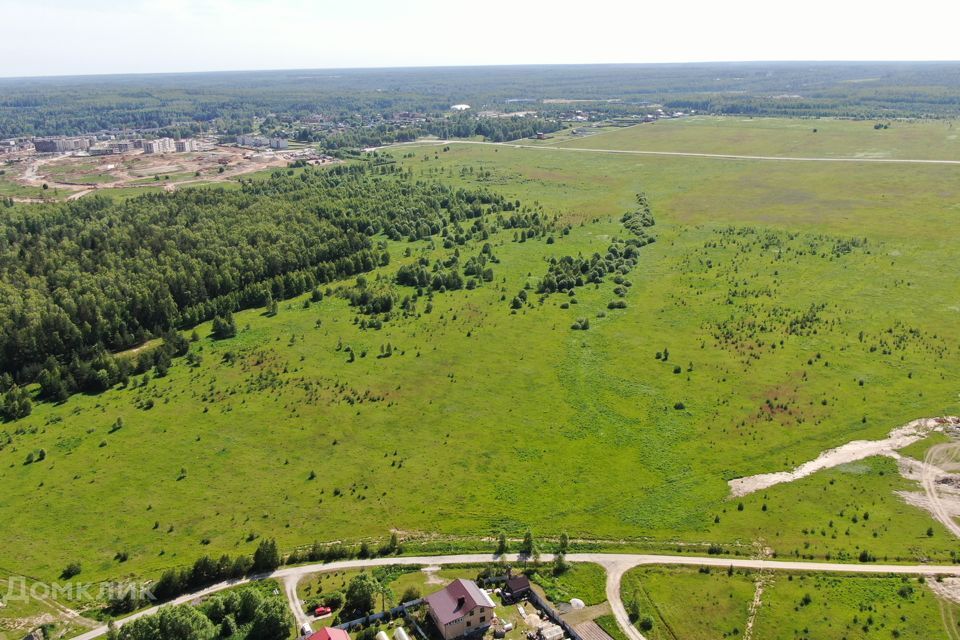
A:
(616, 564)
(684, 154)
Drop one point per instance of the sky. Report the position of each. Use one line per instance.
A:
(80, 37)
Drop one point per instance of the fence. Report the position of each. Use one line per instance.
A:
(553, 614)
(402, 610)
(542, 605)
(396, 612)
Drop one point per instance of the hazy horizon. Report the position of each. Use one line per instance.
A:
(59, 38)
(485, 66)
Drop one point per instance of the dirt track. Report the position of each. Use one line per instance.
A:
(941, 461)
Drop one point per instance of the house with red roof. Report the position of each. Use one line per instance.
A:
(330, 633)
(460, 609)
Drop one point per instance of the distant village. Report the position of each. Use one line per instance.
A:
(108, 144)
(120, 142)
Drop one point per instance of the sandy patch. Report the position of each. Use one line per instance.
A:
(431, 573)
(850, 452)
(946, 588)
(940, 479)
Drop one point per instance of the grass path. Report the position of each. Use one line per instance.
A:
(949, 622)
(763, 580)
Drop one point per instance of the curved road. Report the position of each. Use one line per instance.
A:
(615, 564)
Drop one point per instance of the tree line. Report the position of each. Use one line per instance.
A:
(230, 101)
(248, 613)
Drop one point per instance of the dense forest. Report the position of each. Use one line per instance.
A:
(69, 105)
(459, 126)
(81, 279)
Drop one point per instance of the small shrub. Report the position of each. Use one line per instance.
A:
(70, 570)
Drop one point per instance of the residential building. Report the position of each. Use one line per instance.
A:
(61, 145)
(330, 633)
(250, 140)
(188, 145)
(161, 145)
(460, 609)
(516, 588)
(278, 143)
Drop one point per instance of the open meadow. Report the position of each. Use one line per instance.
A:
(692, 604)
(803, 138)
(784, 309)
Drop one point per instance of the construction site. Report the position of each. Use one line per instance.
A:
(30, 176)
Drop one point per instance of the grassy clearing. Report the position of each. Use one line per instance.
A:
(11, 189)
(121, 193)
(837, 514)
(495, 421)
(610, 626)
(585, 581)
(685, 603)
(851, 607)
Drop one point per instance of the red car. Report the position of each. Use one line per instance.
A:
(322, 611)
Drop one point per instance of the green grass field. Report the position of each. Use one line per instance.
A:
(851, 607)
(609, 625)
(776, 287)
(584, 581)
(11, 189)
(684, 603)
(824, 137)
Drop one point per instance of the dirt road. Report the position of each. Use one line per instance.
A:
(615, 564)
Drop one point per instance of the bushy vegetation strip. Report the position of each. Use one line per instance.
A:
(566, 273)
